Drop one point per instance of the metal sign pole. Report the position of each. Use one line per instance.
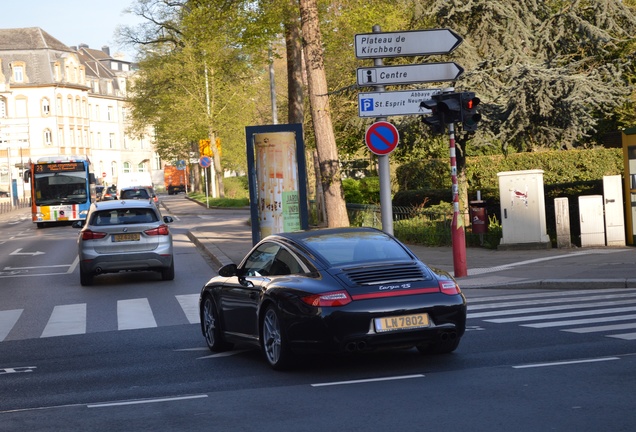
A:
(457, 226)
(384, 170)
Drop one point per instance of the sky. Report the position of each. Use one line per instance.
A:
(72, 22)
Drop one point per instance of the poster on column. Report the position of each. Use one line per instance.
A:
(277, 182)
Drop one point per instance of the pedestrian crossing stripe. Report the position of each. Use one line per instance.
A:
(580, 311)
(66, 320)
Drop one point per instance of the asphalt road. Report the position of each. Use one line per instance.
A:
(523, 364)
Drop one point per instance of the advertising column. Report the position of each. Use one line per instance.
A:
(277, 182)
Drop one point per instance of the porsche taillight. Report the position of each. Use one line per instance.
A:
(92, 235)
(330, 299)
(160, 230)
(449, 287)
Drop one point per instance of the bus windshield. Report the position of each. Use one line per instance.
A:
(67, 187)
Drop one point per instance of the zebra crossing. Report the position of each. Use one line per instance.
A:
(71, 319)
(609, 312)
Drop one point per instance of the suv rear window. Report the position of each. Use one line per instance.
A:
(120, 217)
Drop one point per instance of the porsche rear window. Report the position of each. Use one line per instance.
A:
(345, 250)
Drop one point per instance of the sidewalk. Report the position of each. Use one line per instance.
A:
(227, 237)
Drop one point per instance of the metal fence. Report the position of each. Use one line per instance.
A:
(414, 225)
(6, 206)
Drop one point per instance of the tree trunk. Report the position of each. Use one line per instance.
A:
(294, 71)
(321, 116)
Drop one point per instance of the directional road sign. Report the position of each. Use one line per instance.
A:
(384, 104)
(406, 43)
(382, 138)
(409, 74)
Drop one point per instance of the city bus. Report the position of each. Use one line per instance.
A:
(62, 189)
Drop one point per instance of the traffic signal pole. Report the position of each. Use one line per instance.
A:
(458, 237)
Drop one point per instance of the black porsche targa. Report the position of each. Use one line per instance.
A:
(331, 290)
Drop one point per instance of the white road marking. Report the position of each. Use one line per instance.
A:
(624, 336)
(145, 401)
(563, 363)
(134, 314)
(17, 252)
(8, 319)
(66, 320)
(222, 354)
(190, 305)
(563, 315)
(367, 380)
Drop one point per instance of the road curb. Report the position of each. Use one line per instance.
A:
(210, 249)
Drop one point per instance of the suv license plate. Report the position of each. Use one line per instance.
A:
(126, 237)
(404, 322)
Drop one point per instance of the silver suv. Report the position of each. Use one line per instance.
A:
(124, 235)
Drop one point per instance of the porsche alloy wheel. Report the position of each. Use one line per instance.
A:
(273, 341)
(211, 330)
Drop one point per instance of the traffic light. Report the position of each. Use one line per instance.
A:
(469, 115)
(449, 107)
(434, 121)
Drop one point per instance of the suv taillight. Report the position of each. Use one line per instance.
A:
(160, 230)
(92, 235)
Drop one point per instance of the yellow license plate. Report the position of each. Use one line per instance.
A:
(126, 237)
(404, 322)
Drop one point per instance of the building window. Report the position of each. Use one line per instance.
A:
(57, 72)
(141, 167)
(59, 105)
(46, 107)
(99, 140)
(113, 169)
(97, 112)
(60, 137)
(126, 167)
(69, 105)
(3, 107)
(48, 137)
(110, 113)
(18, 74)
(111, 141)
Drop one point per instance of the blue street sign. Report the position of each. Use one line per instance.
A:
(382, 138)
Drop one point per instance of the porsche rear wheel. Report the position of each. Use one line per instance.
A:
(211, 330)
(273, 340)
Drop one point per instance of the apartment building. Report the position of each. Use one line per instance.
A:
(57, 100)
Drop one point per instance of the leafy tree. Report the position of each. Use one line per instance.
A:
(548, 72)
(194, 82)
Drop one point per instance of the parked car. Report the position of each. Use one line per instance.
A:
(4, 194)
(123, 235)
(331, 290)
(99, 190)
(136, 192)
(109, 193)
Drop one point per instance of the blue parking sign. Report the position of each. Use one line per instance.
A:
(366, 104)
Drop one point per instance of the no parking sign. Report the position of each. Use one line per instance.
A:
(382, 138)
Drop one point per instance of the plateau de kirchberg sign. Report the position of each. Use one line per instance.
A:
(408, 74)
(384, 104)
(406, 43)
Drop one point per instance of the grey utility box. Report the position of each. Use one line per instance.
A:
(523, 210)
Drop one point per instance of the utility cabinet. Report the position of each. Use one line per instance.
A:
(614, 217)
(591, 220)
(522, 203)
